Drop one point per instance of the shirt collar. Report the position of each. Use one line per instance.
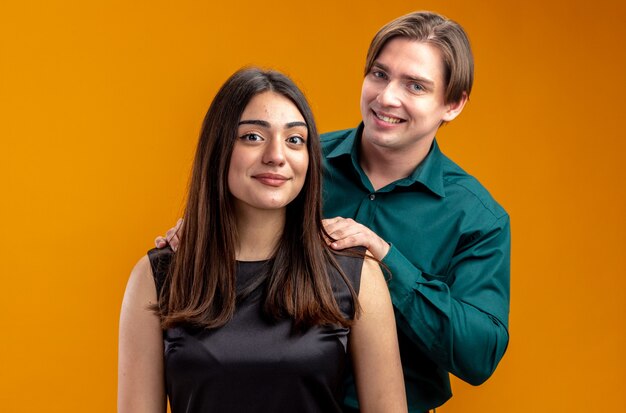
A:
(429, 172)
(348, 146)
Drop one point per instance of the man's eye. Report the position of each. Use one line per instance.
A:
(416, 87)
(378, 74)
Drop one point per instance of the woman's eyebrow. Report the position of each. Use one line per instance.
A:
(294, 124)
(255, 122)
(266, 124)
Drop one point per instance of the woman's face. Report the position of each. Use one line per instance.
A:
(270, 157)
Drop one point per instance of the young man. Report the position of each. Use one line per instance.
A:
(443, 237)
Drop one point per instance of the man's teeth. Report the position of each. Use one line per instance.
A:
(388, 119)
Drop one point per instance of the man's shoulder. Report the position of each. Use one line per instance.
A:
(459, 183)
(330, 140)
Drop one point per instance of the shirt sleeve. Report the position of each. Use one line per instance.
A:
(459, 319)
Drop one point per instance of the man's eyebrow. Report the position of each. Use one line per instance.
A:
(381, 66)
(420, 79)
(407, 77)
(266, 124)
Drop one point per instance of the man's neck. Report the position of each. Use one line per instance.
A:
(384, 165)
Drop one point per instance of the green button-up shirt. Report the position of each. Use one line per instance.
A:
(449, 261)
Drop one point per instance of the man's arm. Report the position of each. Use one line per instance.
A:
(461, 324)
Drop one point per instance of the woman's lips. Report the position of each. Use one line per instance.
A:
(271, 179)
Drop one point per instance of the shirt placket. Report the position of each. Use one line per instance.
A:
(367, 209)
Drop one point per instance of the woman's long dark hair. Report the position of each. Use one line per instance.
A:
(201, 287)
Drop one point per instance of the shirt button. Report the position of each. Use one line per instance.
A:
(372, 197)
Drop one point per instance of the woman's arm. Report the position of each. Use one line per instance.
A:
(374, 347)
(141, 387)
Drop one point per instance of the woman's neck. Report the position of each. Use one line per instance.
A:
(258, 233)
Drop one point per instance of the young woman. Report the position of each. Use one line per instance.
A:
(254, 312)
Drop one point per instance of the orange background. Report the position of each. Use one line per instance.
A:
(100, 107)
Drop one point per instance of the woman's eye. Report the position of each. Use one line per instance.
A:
(296, 140)
(251, 137)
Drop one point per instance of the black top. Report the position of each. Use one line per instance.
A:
(252, 364)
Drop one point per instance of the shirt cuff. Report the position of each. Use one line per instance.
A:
(404, 275)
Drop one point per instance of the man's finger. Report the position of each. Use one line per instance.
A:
(329, 222)
(349, 241)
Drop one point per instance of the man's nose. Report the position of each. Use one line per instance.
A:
(389, 95)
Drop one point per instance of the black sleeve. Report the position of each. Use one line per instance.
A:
(160, 260)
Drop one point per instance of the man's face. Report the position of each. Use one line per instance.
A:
(402, 99)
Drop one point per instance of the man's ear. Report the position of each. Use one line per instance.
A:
(455, 108)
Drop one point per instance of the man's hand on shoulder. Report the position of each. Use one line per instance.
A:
(347, 233)
(171, 237)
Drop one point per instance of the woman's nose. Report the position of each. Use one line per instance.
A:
(274, 153)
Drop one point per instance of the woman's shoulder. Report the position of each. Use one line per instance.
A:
(373, 282)
(359, 266)
(160, 260)
(140, 288)
(351, 263)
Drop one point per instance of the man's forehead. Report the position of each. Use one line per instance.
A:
(411, 59)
